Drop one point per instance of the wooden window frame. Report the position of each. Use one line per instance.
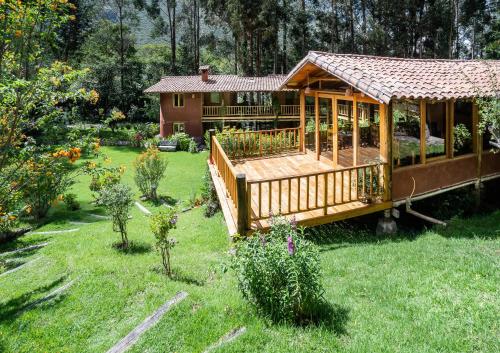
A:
(174, 101)
(178, 123)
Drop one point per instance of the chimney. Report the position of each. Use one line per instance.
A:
(204, 72)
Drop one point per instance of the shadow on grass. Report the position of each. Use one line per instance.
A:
(134, 248)
(333, 317)
(357, 231)
(14, 307)
(20, 243)
(179, 276)
(484, 226)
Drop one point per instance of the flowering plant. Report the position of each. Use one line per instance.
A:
(279, 273)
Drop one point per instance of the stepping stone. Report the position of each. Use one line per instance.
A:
(99, 216)
(19, 267)
(133, 336)
(51, 295)
(56, 231)
(228, 337)
(32, 247)
(143, 209)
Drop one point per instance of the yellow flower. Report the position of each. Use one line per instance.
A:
(12, 218)
(18, 33)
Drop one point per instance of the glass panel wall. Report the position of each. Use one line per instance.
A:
(462, 128)
(326, 127)
(310, 125)
(406, 141)
(345, 146)
(369, 122)
(435, 130)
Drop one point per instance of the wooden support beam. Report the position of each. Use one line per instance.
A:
(335, 132)
(475, 127)
(423, 116)
(450, 118)
(316, 133)
(355, 131)
(211, 133)
(479, 140)
(242, 210)
(302, 120)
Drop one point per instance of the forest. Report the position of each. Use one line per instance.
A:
(128, 45)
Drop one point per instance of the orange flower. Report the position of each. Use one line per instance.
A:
(18, 33)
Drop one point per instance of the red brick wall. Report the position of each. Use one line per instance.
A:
(190, 114)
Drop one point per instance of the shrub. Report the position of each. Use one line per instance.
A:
(45, 178)
(71, 203)
(209, 195)
(161, 224)
(149, 170)
(183, 140)
(117, 199)
(193, 147)
(102, 177)
(279, 273)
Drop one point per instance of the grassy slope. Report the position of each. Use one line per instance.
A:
(437, 292)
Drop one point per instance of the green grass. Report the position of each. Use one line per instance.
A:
(435, 291)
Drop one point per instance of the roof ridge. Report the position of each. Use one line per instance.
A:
(399, 58)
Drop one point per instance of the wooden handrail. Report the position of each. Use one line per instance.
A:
(253, 110)
(225, 169)
(243, 144)
(322, 190)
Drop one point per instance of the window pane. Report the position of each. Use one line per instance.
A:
(462, 128)
(214, 97)
(368, 119)
(345, 146)
(435, 130)
(406, 141)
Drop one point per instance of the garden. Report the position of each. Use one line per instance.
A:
(342, 288)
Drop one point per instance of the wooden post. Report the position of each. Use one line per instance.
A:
(355, 132)
(423, 124)
(316, 133)
(390, 159)
(335, 132)
(450, 117)
(302, 120)
(211, 134)
(242, 211)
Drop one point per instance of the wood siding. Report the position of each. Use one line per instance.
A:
(189, 114)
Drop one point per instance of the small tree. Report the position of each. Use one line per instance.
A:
(117, 199)
(161, 224)
(149, 170)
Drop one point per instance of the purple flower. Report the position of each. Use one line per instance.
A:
(293, 223)
(173, 221)
(291, 246)
(263, 240)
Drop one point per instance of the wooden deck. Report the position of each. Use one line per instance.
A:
(298, 186)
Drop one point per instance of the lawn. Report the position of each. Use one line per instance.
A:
(431, 291)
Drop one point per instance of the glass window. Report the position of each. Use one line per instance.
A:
(345, 133)
(406, 140)
(215, 97)
(178, 100)
(462, 128)
(435, 130)
(369, 143)
(179, 127)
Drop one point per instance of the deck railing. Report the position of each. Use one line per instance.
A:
(314, 191)
(225, 169)
(253, 110)
(244, 144)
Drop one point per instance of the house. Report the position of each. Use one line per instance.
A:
(384, 131)
(193, 104)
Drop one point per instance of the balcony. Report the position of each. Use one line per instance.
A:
(254, 112)
(258, 174)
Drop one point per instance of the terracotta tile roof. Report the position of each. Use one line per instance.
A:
(217, 83)
(384, 78)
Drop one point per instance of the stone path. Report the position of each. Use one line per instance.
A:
(143, 209)
(133, 336)
(56, 231)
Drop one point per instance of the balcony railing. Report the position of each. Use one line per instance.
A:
(254, 110)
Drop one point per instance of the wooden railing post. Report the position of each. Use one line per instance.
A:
(211, 134)
(242, 210)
